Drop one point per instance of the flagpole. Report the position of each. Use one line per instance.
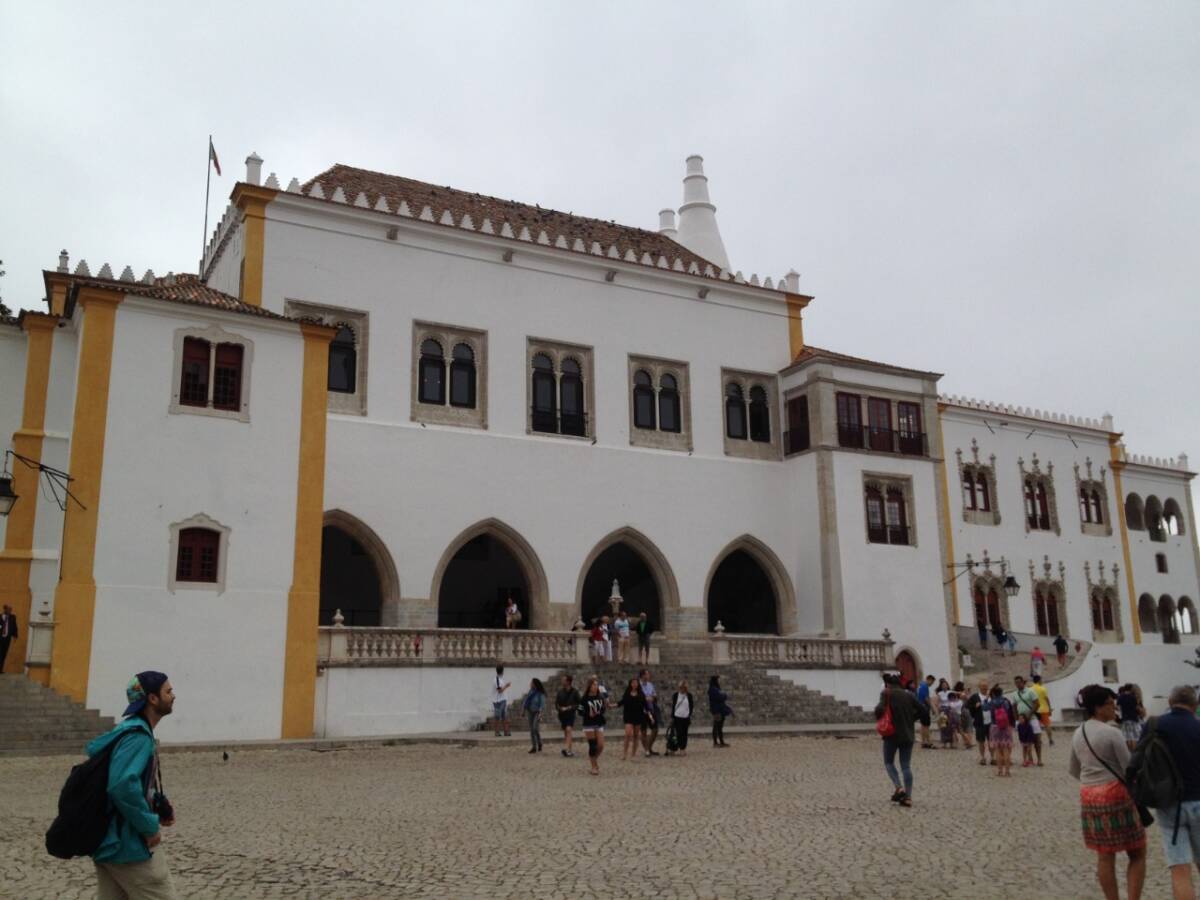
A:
(207, 185)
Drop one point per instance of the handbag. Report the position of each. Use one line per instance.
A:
(885, 726)
(1143, 811)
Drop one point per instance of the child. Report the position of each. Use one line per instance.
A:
(943, 722)
(1025, 734)
(953, 708)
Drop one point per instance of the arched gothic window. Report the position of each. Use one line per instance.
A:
(1037, 505)
(887, 505)
(432, 373)
(643, 400)
(571, 396)
(668, 405)
(545, 412)
(735, 413)
(343, 361)
(462, 377)
(1154, 519)
(1147, 614)
(1187, 616)
(760, 416)
(1172, 517)
(1097, 507)
(1107, 613)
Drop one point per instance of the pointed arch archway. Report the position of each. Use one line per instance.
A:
(511, 541)
(354, 559)
(647, 552)
(776, 575)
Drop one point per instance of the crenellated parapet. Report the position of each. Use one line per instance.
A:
(1104, 423)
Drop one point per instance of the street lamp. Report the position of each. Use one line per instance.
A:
(57, 480)
(1011, 586)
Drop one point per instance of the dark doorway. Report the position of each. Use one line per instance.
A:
(477, 584)
(638, 588)
(349, 580)
(741, 597)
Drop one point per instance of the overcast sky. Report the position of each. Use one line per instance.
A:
(1004, 192)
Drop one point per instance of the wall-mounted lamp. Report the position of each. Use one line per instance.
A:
(702, 293)
(610, 276)
(57, 480)
(508, 255)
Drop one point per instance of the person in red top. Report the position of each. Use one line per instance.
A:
(597, 638)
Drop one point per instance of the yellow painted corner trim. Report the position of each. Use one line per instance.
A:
(75, 596)
(946, 518)
(252, 200)
(1118, 466)
(795, 308)
(304, 598)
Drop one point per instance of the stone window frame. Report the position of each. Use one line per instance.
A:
(358, 321)
(980, 577)
(1102, 589)
(1050, 587)
(976, 468)
(450, 336)
(214, 334)
(1096, 485)
(558, 351)
(657, 438)
(200, 520)
(883, 481)
(750, 449)
(1046, 480)
(1108, 671)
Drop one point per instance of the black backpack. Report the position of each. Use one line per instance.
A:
(82, 818)
(1152, 775)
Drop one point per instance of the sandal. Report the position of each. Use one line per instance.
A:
(905, 801)
(897, 795)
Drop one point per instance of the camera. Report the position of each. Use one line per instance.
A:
(162, 807)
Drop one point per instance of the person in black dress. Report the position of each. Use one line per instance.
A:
(591, 708)
(633, 711)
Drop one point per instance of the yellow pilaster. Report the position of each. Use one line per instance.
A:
(1118, 466)
(304, 598)
(16, 559)
(252, 200)
(75, 598)
(947, 521)
(795, 309)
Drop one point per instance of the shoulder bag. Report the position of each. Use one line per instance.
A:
(1143, 811)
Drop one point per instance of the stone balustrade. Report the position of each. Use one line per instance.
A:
(809, 653)
(368, 646)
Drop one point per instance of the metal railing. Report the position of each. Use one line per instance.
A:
(549, 421)
(796, 440)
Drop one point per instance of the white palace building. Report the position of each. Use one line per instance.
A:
(305, 481)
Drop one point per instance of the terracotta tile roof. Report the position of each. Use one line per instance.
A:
(418, 195)
(182, 289)
(810, 353)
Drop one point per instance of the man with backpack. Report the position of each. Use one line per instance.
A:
(1164, 773)
(128, 865)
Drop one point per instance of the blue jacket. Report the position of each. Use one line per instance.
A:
(535, 701)
(131, 820)
(717, 701)
(1181, 730)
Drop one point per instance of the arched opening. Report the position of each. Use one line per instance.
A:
(1166, 620)
(1147, 614)
(991, 603)
(349, 580)
(1045, 611)
(1187, 616)
(748, 590)
(358, 575)
(1172, 517)
(480, 569)
(909, 668)
(741, 598)
(646, 581)
(1134, 513)
(1154, 519)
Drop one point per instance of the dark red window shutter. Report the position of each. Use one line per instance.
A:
(193, 380)
(198, 555)
(227, 377)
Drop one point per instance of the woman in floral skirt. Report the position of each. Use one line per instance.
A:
(1110, 819)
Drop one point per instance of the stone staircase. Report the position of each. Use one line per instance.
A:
(756, 697)
(1001, 667)
(36, 720)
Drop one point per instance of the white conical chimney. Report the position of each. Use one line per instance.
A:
(698, 217)
(666, 223)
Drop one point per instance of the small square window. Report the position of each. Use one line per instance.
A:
(1160, 561)
(1108, 669)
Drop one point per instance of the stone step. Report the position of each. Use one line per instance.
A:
(38, 720)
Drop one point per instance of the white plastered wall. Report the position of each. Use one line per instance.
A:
(358, 702)
(13, 343)
(223, 651)
(418, 488)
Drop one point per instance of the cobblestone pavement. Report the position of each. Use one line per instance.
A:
(768, 817)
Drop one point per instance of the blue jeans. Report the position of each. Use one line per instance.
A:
(890, 746)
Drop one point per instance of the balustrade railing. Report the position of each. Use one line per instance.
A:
(341, 646)
(817, 653)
